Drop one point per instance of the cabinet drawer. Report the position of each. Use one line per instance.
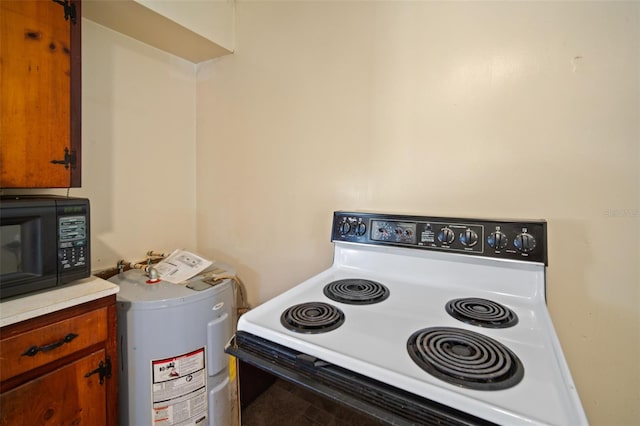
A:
(42, 345)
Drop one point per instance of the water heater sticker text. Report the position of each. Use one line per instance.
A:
(179, 390)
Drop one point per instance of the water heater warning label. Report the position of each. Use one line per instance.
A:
(179, 390)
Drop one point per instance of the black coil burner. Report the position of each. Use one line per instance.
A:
(355, 291)
(312, 317)
(465, 358)
(482, 312)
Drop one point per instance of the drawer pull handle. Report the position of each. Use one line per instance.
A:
(33, 350)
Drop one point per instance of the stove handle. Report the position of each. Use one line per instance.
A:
(304, 360)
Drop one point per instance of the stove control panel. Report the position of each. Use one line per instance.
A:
(502, 239)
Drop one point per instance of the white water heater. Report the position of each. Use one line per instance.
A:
(172, 367)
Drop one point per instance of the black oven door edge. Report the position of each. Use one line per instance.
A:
(383, 402)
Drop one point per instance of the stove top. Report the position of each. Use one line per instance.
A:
(406, 304)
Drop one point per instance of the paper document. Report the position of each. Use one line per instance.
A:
(180, 266)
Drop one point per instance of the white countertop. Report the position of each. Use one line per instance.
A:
(33, 305)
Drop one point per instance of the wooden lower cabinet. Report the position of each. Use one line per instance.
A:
(61, 397)
(78, 387)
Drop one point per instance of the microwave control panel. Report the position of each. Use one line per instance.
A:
(72, 242)
(74, 247)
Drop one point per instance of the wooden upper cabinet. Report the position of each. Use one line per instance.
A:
(40, 86)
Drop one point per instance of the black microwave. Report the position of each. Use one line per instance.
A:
(44, 242)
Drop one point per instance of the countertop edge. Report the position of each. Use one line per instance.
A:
(33, 305)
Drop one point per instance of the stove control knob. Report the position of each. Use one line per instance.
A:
(524, 242)
(361, 229)
(446, 235)
(497, 240)
(469, 238)
(344, 228)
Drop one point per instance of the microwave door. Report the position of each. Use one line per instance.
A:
(28, 252)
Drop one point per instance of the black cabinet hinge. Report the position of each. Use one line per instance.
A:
(69, 9)
(69, 159)
(103, 370)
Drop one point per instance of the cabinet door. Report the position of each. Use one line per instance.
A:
(62, 397)
(40, 83)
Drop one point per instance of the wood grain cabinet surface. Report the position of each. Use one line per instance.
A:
(40, 82)
(61, 368)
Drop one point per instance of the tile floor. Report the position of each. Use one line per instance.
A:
(286, 404)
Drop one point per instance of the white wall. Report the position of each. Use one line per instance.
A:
(138, 135)
(518, 109)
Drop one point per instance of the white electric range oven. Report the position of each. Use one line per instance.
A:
(422, 320)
